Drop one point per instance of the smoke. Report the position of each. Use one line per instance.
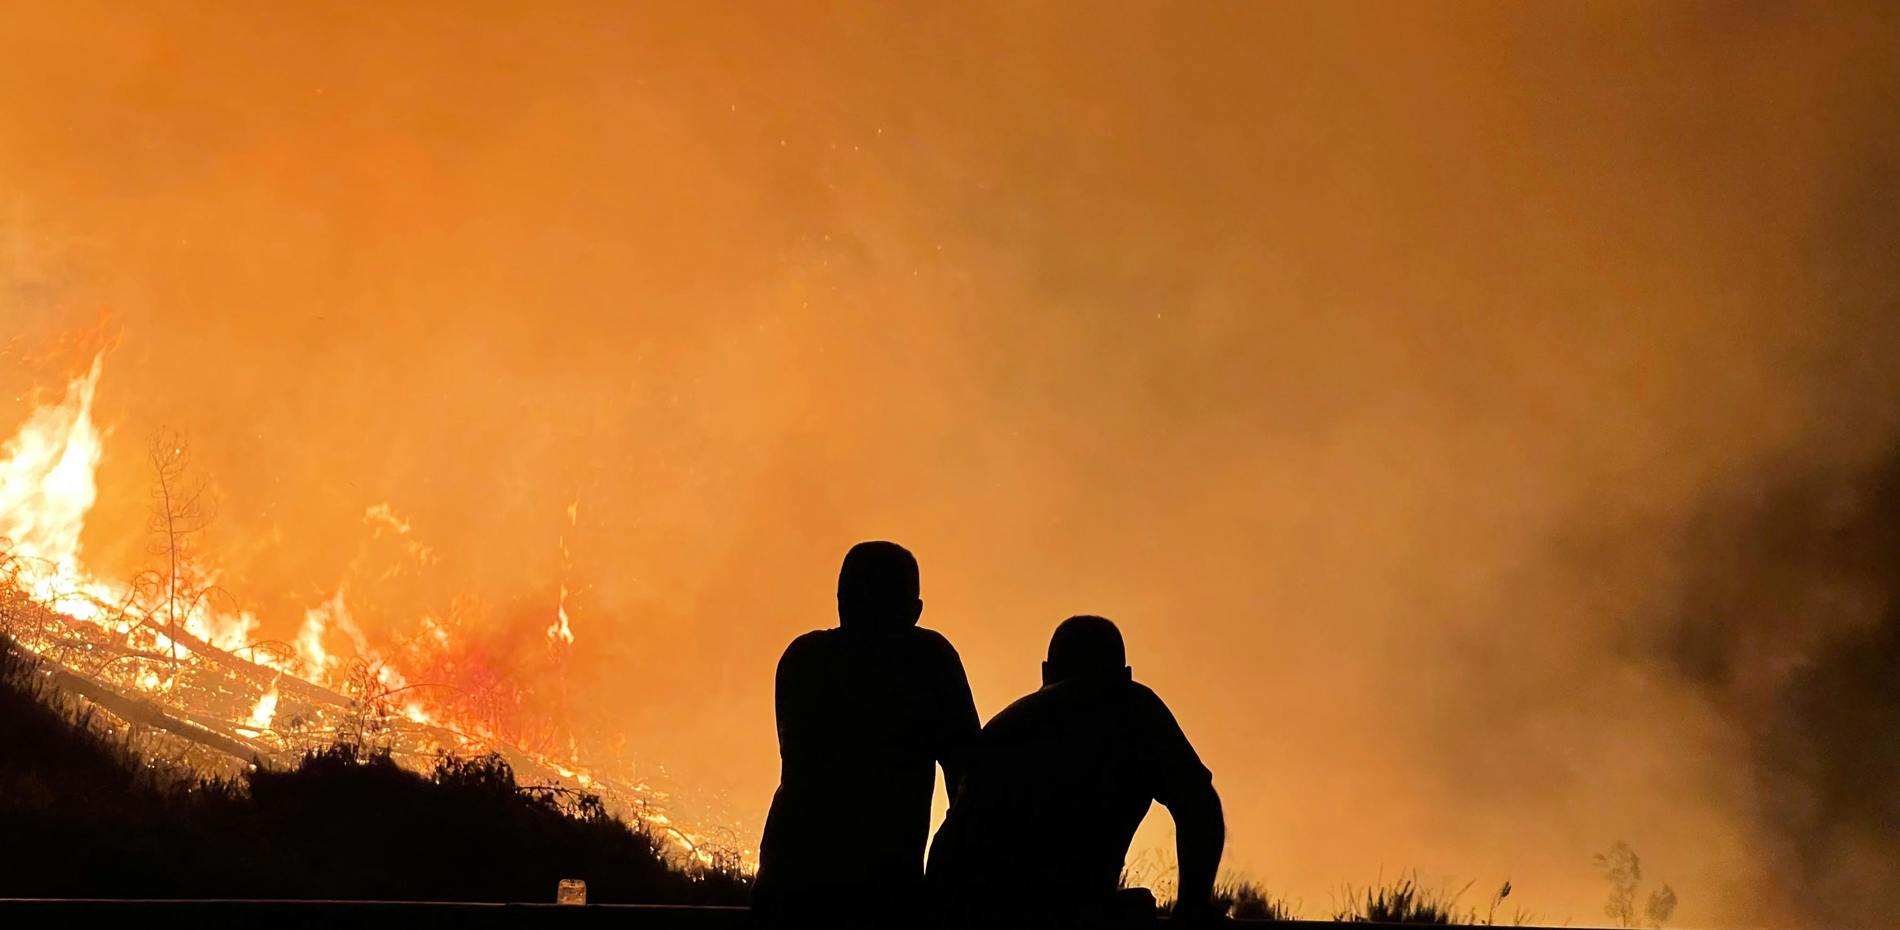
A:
(1466, 412)
(1789, 623)
(1831, 783)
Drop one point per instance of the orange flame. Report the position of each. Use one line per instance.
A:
(46, 486)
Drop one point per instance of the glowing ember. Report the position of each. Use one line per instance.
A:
(265, 708)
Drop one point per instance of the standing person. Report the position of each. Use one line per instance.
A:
(1038, 831)
(866, 712)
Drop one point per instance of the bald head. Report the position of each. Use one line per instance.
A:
(1085, 646)
(877, 587)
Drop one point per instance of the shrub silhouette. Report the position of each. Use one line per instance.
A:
(1623, 869)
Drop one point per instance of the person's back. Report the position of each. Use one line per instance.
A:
(866, 711)
(1057, 786)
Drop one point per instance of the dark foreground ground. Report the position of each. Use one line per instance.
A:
(328, 915)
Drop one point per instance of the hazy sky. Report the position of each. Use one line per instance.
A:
(1389, 372)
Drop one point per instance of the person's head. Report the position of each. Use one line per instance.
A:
(1085, 647)
(877, 587)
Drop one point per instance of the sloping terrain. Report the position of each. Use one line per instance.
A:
(89, 808)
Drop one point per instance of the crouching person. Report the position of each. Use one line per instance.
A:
(1039, 827)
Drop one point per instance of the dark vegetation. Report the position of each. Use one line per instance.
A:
(1405, 901)
(1402, 902)
(83, 814)
(1248, 901)
(1398, 901)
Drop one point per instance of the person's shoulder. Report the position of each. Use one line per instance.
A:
(812, 638)
(1029, 707)
(927, 638)
(1144, 702)
(932, 647)
(808, 643)
(1143, 694)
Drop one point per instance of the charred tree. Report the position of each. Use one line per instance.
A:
(181, 508)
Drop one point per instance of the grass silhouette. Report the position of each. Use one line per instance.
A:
(1243, 900)
(1404, 901)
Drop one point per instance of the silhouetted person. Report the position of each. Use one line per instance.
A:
(866, 711)
(1040, 826)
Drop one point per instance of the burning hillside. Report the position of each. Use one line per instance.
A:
(170, 650)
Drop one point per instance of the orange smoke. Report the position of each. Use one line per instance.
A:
(1368, 365)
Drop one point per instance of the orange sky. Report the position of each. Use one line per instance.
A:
(1363, 362)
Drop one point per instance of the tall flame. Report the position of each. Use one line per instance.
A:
(559, 631)
(265, 709)
(46, 485)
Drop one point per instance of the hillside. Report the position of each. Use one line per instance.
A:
(86, 813)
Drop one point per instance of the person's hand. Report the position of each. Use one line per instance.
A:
(1196, 914)
(1133, 907)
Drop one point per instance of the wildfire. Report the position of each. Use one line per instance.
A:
(197, 662)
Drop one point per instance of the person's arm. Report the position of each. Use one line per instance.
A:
(1186, 788)
(792, 701)
(960, 723)
(1200, 833)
